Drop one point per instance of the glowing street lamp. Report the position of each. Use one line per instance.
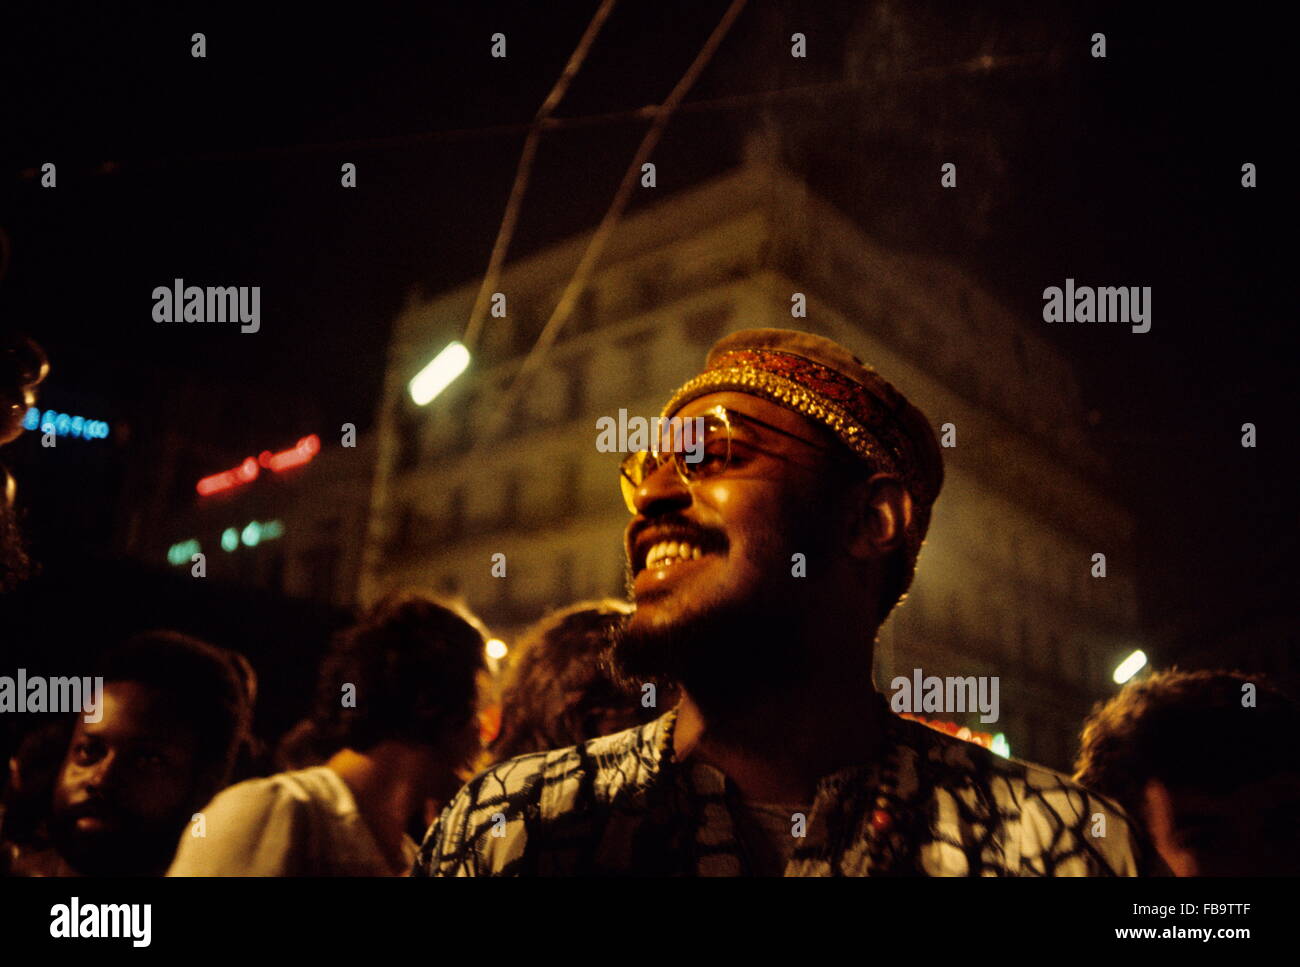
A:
(1130, 666)
(495, 650)
(438, 374)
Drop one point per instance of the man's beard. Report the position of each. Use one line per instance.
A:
(736, 652)
(728, 657)
(14, 563)
(132, 849)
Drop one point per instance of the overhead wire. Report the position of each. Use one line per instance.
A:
(524, 169)
(600, 238)
(975, 65)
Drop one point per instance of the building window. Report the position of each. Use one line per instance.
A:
(564, 583)
(569, 500)
(577, 402)
(453, 519)
(399, 539)
(586, 314)
(650, 286)
(464, 415)
(524, 331)
(407, 427)
(510, 503)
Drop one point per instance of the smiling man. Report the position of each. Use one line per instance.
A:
(761, 575)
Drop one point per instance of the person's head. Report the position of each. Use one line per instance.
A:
(558, 691)
(1207, 761)
(22, 367)
(33, 769)
(406, 673)
(779, 553)
(172, 714)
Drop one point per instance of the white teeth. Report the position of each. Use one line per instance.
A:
(668, 553)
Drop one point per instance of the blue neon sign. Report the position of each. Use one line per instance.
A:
(64, 424)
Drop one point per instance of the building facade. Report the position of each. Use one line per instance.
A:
(1005, 583)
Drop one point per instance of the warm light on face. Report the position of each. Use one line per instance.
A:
(437, 376)
(496, 649)
(1130, 666)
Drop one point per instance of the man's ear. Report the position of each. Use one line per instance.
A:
(879, 515)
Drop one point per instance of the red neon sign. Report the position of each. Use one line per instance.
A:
(300, 454)
(242, 474)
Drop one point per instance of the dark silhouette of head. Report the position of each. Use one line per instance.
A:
(174, 711)
(1207, 761)
(408, 672)
(559, 690)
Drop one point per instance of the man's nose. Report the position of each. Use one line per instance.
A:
(661, 491)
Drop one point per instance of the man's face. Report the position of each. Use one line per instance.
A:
(727, 602)
(124, 793)
(1253, 830)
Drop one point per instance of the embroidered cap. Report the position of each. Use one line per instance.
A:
(824, 382)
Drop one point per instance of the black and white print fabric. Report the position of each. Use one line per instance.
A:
(933, 805)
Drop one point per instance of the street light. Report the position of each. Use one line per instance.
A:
(437, 376)
(1130, 666)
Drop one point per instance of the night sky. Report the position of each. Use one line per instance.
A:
(1125, 171)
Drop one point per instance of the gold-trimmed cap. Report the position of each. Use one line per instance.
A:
(824, 382)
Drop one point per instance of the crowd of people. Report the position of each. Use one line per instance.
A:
(723, 723)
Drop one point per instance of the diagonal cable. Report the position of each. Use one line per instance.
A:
(596, 247)
(524, 170)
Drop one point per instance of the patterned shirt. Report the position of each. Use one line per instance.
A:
(930, 805)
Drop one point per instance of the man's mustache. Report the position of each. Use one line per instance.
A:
(101, 809)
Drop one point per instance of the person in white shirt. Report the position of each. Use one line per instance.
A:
(398, 698)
